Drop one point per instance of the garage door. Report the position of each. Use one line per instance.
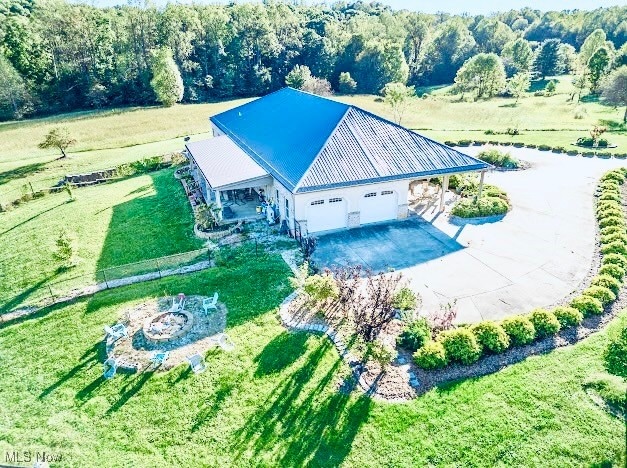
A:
(326, 214)
(378, 206)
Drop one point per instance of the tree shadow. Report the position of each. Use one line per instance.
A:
(283, 350)
(300, 424)
(130, 389)
(32, 218)
(538, 85)
(89, 358)
(22, 296)
(22, 171)
(211, 406)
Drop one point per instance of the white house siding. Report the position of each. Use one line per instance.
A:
(353, 199)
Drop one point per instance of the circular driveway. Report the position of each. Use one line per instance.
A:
(539, 253)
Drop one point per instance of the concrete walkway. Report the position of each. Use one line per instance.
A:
(535, 256)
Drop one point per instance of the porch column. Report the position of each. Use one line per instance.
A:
(218, 202)
(444, 189)
(480, 185)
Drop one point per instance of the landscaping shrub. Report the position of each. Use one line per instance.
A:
(544, 147)
(431, 356)
(499, 158)
(531, 145)
(319, 288)
(615, 354)
(611, 221)
(614, 271)
(587, 305)
(485, 206)
(519, 329)
(405, 299)
(572, 152)
(558, 149)
(450, 143)
(608, 205)
(415, 335)
(544, 322)
(616, 175)
(380, 353)
(464, 143)
(615, 237)
(460, 345)
(607, 195)
(617, 247)
(491, 336)
(568, 316)
(601, 293)
(608, 282)
(615, 259)
(608, 212)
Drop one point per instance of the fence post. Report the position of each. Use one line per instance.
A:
(31, 188)
(158, 268)
(51, 293)
(104, 275)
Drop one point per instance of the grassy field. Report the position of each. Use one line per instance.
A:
(274, 400)
(113, 224)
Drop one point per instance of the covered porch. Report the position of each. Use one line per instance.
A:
(231, 180)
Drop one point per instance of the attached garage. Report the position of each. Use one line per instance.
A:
(376, 206)
(325, 214)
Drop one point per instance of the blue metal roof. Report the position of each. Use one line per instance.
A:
(283, 131)
(311, 143)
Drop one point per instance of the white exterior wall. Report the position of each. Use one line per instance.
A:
(353, 196)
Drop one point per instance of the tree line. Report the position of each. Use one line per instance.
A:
(57, 56)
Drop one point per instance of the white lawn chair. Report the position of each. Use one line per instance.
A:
(175, 306)
(197, 363)
(110, 368)
(116, 332)
(210, 303)
(225, 342)
(159, 357)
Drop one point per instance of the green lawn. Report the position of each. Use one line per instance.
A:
(126, 221)
(274, 402)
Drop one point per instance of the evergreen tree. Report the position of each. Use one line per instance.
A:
(547, 59)
(166, 82)
(598, 66)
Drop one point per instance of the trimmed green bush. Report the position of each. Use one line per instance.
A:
(615, 259)
(464, 143)
(519, 329)
(587, 305)
(544, 322)
(491, 336)
(499, 158)
(601, 293)
(544, 147)
(615, 237)
(612, 270)
(612, 221)
(616, 175)
(415, 335)
(568, 316)
(609, 211)
(615, 354)
(405, 299)
(431, 356)
(613, 230)
(608, 282)
(485, 206)
(609, 196)
(614, 247)
(460, 345)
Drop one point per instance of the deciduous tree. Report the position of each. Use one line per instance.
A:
(518, 85)
(614, 89)
(398, 97)
(598, 67)
(59, 138)
(483, 73)
(166, 82)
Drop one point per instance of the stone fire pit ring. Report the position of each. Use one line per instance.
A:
(170, 333)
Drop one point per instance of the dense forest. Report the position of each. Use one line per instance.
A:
(56, 56)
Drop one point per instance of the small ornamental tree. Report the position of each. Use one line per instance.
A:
(375, 309)
(59, 138)
(64, 252)
(614, 89)
(518, 85)
(298, 76)
(397, 96)
(319, 288)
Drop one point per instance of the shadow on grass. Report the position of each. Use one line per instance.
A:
(211, 406)
(32, 218)
(283, 350)
(130, 389)
(303, 421)
(21, 297)
(538, 85)
(20, 172)
(92, 356)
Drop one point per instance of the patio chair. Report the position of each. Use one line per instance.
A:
(110, 368)
(197, 363)
(158, 358)
(210, 303)
(225, 342)
(115, 332)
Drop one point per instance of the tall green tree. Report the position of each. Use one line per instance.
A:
(166, 78)
(492, 35)
(14, 98)
(598, 67)
(298, 76)
(594, 40)
(546, 61)
(517, 56)
(518, 85)
(483, 73)
(378, 64)
(614, 89)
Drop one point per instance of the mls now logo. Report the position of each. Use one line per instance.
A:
(28, 456)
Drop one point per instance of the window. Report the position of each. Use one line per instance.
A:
(387, 192)
(335, 200)
(371, 194)
(318, 202)
(287, 209)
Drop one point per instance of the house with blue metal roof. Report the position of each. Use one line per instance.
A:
(317, 164)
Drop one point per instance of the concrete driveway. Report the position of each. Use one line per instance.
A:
(540, 252)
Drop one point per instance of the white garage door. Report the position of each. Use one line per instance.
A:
(326, 214)
(378, 206)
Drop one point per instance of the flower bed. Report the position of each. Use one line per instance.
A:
(493, 201)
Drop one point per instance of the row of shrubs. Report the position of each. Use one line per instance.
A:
(466, 345)
(142, 166)
(554, 149)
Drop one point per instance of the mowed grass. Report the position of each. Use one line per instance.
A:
(127, 221)
(274, 400)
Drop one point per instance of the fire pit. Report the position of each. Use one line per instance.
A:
(168, 326)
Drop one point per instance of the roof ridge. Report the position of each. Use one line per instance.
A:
(360, 137)
(324, 145)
